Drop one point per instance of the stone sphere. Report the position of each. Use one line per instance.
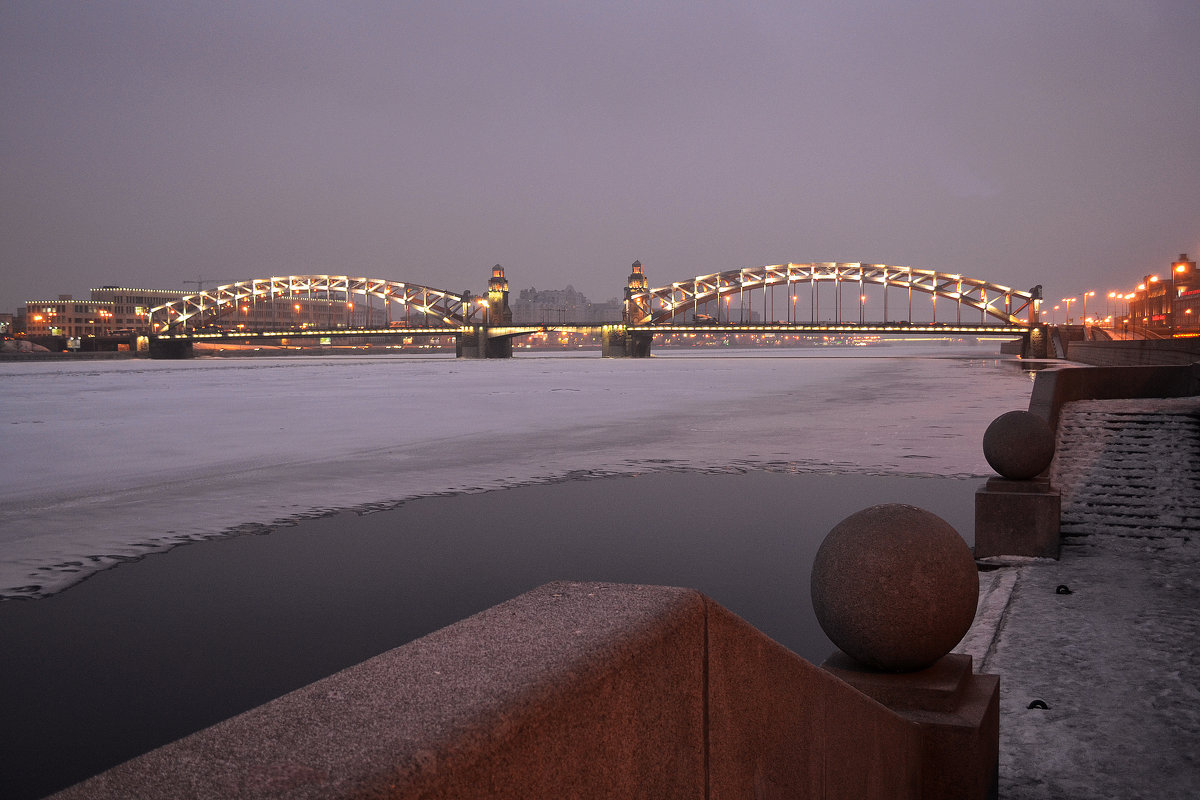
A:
(1019, 445)
(894, 587)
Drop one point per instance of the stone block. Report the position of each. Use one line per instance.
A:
(579, 690)
(781, 727)
(958, 713)
(1017, 518)
(571, 690)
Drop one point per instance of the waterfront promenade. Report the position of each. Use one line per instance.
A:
(1116, 661)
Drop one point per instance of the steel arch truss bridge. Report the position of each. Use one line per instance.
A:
(691, 297)
(326, 300)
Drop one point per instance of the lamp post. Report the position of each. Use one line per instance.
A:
(1086, 295)
(1179, 271)
(1068, 301)
(1054, 315)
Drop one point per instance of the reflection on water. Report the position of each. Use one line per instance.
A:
(140, 655)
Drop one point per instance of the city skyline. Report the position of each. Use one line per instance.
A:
(151, 145)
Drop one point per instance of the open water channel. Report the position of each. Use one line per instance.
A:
(139, 655)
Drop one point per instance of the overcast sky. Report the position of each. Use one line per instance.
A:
(152, 143)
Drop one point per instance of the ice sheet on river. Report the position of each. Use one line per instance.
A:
(111, 460)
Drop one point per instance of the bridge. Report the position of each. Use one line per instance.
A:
(329, 306)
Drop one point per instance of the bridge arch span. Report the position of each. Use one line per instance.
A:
(410, 303)
(684, 298)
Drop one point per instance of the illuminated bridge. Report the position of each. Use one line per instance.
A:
(812, 298)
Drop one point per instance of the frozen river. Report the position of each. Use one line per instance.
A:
(738, 467)
(111, 460)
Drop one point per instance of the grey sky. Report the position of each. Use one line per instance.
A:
(149, 143)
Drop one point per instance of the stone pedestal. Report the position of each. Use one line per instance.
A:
(958, 713)
(1017, 518)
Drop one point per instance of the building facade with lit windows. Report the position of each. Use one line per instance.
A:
(67, 316)
(1168, 304)
(111, 310)
(130, 308)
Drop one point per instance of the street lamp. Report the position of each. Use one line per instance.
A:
(1054, 315)
(1179, 272)
(1068, 301)
(1086, 295)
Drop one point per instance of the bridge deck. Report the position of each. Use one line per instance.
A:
(594, 328)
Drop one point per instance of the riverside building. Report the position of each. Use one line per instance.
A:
(1168, 305)
(110, 310)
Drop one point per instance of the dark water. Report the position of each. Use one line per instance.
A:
(142, 654)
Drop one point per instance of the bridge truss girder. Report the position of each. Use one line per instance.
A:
(205, 307)
(665, 303)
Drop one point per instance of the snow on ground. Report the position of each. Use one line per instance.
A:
(1115, 661)
(110, 460)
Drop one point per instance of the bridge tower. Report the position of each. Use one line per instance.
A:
(498, 311)
(616, 340)
(474, 341)
(637, 297)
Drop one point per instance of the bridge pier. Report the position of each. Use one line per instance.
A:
(474, 342)
(1035, 344)
(170, 348)
(617, 342)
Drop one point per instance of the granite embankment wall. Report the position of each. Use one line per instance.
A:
(571, 690)
(1134, 352)
(1054, 387)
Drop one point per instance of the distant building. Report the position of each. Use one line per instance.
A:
(560, 306)
(67, 316)
(110, 309)
(1169, 304)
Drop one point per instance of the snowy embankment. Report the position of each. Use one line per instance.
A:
(109, 461)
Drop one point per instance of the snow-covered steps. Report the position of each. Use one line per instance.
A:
(1129, 468)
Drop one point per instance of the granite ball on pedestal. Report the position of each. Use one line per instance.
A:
(1019, 445)
(894, 587)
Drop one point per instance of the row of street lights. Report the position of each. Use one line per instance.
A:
(1180, 272)
(1084, 318)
